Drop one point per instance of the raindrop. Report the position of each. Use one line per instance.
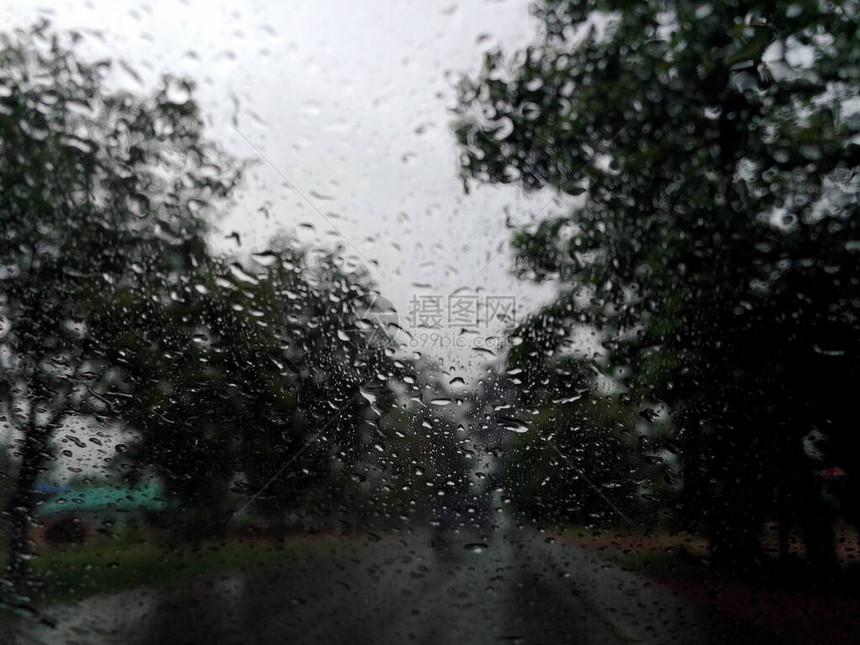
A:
(512, 424)
(239, 273)
(504, 129)
(265, 259)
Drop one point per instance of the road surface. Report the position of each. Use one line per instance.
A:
(519, 589)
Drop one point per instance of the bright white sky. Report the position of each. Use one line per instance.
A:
(350, 102)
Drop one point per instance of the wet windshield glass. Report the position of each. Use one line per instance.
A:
(478, 321)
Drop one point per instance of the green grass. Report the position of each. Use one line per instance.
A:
(78, 571)
(655, 552)
(663, 554)
(674, 562)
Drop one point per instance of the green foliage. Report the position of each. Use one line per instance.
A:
(115, 311)
(590, 456)
(104, 196)
(713, 150)
(100, 192)
(81, 571)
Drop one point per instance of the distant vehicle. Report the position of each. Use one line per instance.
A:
(458, 521)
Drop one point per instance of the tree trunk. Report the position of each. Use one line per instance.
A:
(734, 540)
(817, 523)
(23, 504)
(734, 511)
(784, 518)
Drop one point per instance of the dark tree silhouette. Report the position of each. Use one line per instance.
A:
(102, 195)
(713, 151)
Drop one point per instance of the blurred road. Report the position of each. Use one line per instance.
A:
(519, 589)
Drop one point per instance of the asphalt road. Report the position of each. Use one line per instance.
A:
(519, 589)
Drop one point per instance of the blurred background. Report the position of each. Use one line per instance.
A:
(469, 321)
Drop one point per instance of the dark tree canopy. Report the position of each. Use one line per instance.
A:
(102, 196)
(115, 311)
(712, 151)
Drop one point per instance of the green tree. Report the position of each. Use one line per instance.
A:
(713, 150)
(200, 372)
(336, 386)
(587, 455)
(240, 369)
(102, 195)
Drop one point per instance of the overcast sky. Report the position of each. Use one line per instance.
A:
(348, 103)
